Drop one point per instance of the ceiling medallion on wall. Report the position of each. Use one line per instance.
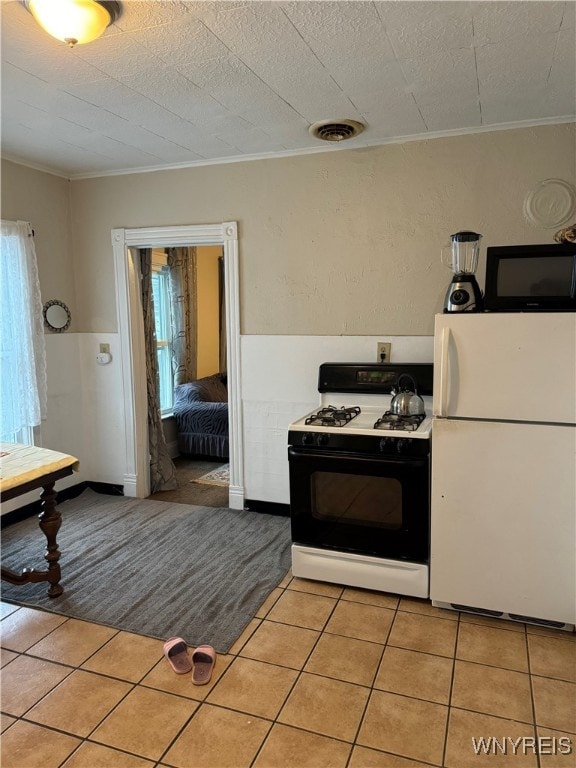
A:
(551, 203)
(336, 130)
(74, 21)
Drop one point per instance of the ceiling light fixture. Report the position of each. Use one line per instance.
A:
(336, 130)
(73, 21)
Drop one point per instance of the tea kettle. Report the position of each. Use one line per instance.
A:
(406, 400)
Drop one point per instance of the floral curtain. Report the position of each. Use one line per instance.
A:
(22, 350)
(182, 267)
(162, 470)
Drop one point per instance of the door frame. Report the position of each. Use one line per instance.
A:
(132, 349)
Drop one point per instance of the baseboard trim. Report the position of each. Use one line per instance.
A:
(269, 507)
(109, 489)
(131, 485)
(30, 510)
(236, 497)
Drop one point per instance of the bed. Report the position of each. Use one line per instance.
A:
(201, 414)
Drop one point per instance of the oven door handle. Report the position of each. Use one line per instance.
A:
(307, 454)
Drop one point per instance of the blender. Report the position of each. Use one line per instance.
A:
(463, 293)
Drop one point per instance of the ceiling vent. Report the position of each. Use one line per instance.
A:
(336, 130)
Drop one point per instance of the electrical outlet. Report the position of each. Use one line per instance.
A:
(105, 349)
(383, 351)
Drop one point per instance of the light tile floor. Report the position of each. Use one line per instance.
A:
(324, 677)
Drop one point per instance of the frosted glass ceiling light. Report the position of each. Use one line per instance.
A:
(74, 21)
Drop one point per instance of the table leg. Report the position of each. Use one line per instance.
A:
(50, 521)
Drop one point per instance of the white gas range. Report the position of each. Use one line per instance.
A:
(360, 481)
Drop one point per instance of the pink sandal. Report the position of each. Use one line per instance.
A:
(203, 660)
(176, 652)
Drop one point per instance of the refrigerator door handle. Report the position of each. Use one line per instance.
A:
(443, 399)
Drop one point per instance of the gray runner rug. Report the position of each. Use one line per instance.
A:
(155, 568)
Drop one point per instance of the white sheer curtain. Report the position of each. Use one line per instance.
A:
(22, 351)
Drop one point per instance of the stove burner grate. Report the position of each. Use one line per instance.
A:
(330, 416)
(392, 421)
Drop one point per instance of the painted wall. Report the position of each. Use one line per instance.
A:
(345, 242)
(44, 201)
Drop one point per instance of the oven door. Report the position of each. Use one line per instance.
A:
(367, 504)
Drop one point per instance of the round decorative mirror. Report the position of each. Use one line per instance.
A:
(56, 316)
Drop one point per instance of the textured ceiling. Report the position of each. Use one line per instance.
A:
(181, 83)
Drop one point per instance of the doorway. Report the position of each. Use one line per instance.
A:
(190, 334)
(126, 242)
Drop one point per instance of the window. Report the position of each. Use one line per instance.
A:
(161, 293)
(22, 353)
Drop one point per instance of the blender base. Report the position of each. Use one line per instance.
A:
(463, 295)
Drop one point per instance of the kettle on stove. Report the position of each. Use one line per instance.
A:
(406, 400)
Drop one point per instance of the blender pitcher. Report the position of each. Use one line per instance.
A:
(461, 256)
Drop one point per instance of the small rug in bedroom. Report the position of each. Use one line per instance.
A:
(155, 568)
(220, 476)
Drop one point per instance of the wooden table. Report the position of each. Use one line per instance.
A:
(26, 468)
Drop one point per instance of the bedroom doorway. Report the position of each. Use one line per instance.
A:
(126, 243)
(190, 337)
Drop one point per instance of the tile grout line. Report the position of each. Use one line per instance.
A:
(67, 619)
(79, 668)
(532, 697)
(449, 713)
(169, 746)
(82, 739)
(92, 730)
(98, 743)
(73, 668)
(49, 613)
(76, 668)
(374, 677)
(297, 678)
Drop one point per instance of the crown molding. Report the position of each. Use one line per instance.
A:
(359, 143)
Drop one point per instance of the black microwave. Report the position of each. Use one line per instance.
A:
(531, 278)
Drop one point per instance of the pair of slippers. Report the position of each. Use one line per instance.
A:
(201, 664)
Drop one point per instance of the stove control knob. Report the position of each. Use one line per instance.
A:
(403, 445)
(307, 438)
(384, 444)
(322, 440)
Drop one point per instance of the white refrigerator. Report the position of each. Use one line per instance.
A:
(503, 514)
